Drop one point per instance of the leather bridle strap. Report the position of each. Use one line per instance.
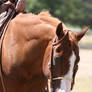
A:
(2, 39)
(49, 80)
(62, 78)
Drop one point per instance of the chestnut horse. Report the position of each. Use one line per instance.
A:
(24, 45)
(27, 50)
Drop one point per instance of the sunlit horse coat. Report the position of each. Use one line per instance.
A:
(24, 45)
(26, 51)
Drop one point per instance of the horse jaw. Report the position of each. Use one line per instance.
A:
(66, 84)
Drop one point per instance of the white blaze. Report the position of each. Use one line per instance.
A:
(61, 90)
(66, 84)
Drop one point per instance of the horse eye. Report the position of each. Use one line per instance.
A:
(59, 49)
(57, 58)
(78, 59)
(69, 44)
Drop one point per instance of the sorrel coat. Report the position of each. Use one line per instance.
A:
(27, 50)
(27, 38)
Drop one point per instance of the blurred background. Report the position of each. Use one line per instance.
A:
(76, 14)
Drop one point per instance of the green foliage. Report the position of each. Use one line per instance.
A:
(76, 12)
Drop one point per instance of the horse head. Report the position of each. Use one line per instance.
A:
(64, 59)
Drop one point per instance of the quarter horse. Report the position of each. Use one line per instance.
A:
(27, 49)
(24, 45)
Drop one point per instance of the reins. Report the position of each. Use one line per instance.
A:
(2, 39)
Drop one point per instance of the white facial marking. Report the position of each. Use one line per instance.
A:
(61, 90)
(66, 84)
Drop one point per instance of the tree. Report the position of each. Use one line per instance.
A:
(76, 12)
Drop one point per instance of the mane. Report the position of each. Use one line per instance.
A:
(44, 13)
(46, 16)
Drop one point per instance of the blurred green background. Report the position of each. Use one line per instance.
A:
(76, 14)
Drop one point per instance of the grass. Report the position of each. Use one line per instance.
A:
(83, 84)
(87, 39)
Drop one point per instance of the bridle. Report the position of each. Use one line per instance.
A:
(53, 64)
(53, 61)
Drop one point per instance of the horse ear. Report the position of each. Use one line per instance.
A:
(79, 35)
(59, 31)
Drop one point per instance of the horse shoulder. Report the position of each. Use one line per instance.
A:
(32, 27)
